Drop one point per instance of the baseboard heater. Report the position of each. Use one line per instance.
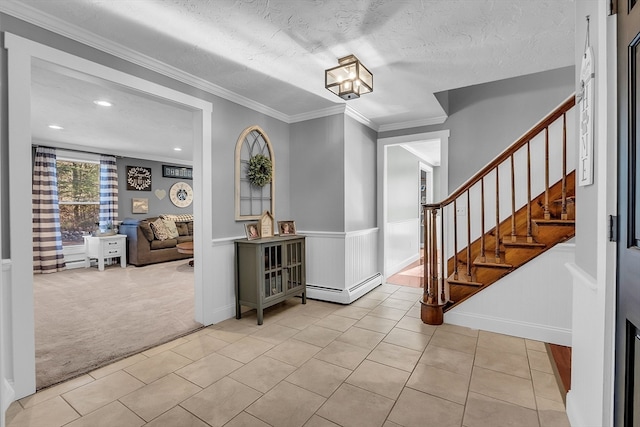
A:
(344, 296)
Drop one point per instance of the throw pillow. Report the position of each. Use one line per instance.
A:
(171, 226)
(146, 230)
(183, 230)
(159, 229)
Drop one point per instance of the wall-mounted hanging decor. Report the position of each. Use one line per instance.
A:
(586, 99)
(140, 206)
(177, 172)
(160, 193)
(255, 174)
(181, 194)
(138, 178)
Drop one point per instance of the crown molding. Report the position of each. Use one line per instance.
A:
(413, 124)
(354, 114)
(33, 16)
(324, 112)
(58, 26)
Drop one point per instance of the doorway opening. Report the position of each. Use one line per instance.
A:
(21, 54)
(412, 171)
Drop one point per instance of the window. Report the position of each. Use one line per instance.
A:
(78, 197)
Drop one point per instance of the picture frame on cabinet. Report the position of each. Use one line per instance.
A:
(252, 230)
(287, 228)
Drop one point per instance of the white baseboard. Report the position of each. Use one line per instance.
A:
(521, 329)
(222, 313)
(8, 396)
(343, 296)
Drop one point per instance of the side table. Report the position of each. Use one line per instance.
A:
(104, 247)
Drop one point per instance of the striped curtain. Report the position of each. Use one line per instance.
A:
(108, 190)
(47, 240)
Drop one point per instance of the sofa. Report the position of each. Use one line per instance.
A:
(153, 240)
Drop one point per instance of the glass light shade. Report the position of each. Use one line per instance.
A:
(350, 79)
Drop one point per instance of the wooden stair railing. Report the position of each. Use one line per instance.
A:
(452, 275)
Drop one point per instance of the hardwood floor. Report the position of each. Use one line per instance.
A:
(410, 276)
(561, 357)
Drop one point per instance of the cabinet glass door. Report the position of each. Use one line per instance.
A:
(272, 271)
(295, 266)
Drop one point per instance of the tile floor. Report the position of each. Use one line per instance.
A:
(372, 363)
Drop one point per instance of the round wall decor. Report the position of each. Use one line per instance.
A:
(181, 194)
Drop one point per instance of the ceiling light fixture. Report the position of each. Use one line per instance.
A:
(102, 103)
(177, 149)
(350, 79)
(56, 127)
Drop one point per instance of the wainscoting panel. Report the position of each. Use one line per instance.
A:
(341, 267)
(325, 259)
(224, 280)
(586, 397)
(7, 393)
(361, 256)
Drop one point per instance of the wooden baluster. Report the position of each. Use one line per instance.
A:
(529, 230)
(433, 291)
(468, 237)
(443, 277)
(483, 256)
(425, 248)
(427, 253)
(547, 214)
(455, 239)
(564, 167)
(513, 202)
(497, 233)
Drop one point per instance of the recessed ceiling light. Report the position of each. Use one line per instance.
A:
(56, 127)
(102, 103)
(177, 149)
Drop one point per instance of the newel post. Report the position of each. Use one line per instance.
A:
(432, 306)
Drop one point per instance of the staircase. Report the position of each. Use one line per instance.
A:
(491, 225)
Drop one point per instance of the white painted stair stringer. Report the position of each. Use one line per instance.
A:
(534, 301)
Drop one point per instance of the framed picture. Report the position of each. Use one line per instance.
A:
(140, 206)
(252, 231)
(181, 172)
(287, 227)
(138, 178)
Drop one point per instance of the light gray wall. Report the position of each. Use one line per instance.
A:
(403, 184)
(158, 182)
(360, 176)
(228, 121)
(485, 119)
(317, 184)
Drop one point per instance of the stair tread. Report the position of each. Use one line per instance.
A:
(464, 280)
(490, 261)
(554, 221)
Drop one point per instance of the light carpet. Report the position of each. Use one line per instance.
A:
(85, 318)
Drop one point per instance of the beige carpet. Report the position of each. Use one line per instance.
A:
(85, 318)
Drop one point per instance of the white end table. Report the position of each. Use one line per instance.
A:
(104, 247)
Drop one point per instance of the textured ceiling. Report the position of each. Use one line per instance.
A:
(274, 52)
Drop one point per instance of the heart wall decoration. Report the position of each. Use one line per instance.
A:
(160, 194)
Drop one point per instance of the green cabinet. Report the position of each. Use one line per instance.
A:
(268, 271)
